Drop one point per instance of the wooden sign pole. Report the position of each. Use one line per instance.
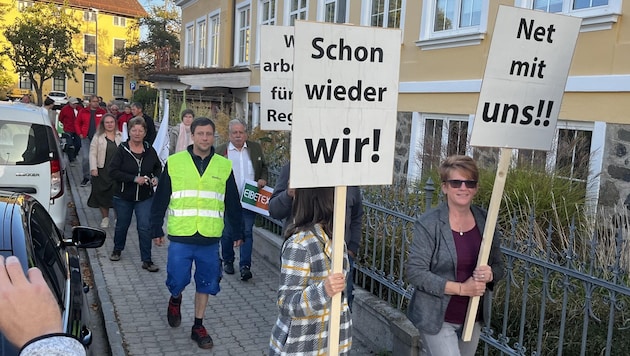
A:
(488, 233)
(339, 227)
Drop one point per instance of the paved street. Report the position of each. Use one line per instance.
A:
(134, 301)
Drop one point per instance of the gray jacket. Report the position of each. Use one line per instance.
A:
(433, 261)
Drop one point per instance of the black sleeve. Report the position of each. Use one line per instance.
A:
(233, 209)
(280, 202)
(161, 199)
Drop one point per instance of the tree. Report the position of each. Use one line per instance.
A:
(159, 49)
(40, 44)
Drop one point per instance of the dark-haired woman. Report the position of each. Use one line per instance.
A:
(135, 167)
(306, 282)
(442, 263)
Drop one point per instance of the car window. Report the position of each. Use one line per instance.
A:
(25, 144)
(46, 253)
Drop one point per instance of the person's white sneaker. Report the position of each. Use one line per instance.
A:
(105, 223)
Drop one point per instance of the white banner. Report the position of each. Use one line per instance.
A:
(525, 77)
(344, 105)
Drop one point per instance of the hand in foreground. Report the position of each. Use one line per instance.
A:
(334, 284)
(28, 308)
(473, 288)
(158, 241)
(94, 172)
(483, 274)
(238, 243)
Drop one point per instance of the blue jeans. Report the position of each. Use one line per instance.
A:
(85, 157)
(124, 211)
(227, 247)
(448, 342)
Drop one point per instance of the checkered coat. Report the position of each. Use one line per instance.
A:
(303, 305)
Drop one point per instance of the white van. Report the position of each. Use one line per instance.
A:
(30, 157)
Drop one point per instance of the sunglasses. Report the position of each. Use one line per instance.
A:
(456, 183)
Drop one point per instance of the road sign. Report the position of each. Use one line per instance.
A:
(133, 85)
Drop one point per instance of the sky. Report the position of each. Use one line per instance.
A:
(148, 3)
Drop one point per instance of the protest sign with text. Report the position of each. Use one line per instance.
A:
(344, 105)
(525, 77)
(276, 77)
(254, 199)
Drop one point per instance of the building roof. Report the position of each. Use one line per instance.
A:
(130, 8)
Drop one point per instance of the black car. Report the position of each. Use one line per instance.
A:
(28, 232)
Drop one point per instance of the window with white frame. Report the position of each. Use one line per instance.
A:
(120, 21)
(190, 46)
(89, 15)
(25, 82)
(267, 10)
(202, 42)
(334, 11)
(89, 44)
(243, 28)
(89, 82)
(450, 23)
(214, 40)
(385, 13)
(118, 86)
(596, 14)
(59, 82)
(298, 10)
(22, 5)
(119, 47)
(435, 137)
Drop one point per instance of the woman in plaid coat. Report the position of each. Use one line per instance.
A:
(306, 284)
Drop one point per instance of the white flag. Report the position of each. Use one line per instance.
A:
(161, 140)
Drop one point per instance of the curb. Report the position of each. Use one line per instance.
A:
(112, 329)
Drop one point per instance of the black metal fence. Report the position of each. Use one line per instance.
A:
(566, 290)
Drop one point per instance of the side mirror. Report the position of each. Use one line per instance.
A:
(88, 237)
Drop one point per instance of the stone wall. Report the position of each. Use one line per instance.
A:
(615, 175)
(401, 150)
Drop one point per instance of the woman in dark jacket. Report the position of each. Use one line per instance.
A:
(135, 168)
(442, 263)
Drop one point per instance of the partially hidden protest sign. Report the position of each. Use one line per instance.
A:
(345, 96)
(255, 199)
(276, 77)
(525, 78)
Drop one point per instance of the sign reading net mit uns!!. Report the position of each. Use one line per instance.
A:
(276, 77)
(525, 77)
(345, 95)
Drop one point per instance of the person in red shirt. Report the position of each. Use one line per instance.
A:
(85, 125)
(124, 117)
(67, 116)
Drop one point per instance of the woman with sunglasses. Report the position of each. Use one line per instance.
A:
(442, 263)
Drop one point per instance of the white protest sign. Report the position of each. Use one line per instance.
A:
(344, 105)
(525, 77)
(276, 77)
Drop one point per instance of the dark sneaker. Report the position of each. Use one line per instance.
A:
(246, 274)
(115, 256)
(149, 266)
(228, 268)
(200, 335)
(85, 182)
(173, 314)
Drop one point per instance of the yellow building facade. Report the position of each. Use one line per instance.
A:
(104, 27)
(444, 49)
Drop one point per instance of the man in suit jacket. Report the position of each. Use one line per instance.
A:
(248, 163)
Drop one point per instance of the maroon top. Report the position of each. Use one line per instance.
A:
(467, 246)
